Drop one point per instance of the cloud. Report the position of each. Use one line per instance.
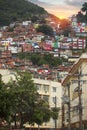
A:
(60, 7)
(47, 2)
(38, 2)
(43, 3)
(74, 2)
(58, 3)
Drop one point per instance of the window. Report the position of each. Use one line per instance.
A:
(38, 86)
(46, 88)
(54, 89)
(54, 100)
(46, 98)
(75, 111)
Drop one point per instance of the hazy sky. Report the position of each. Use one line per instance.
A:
(60, 8)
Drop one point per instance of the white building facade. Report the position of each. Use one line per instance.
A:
(75, 86)
(52, 92)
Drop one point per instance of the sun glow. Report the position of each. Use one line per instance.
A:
(61, 17)
(60, 14)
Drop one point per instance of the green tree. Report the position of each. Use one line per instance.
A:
(19, 101)
(29, 107)
(84, 9)
(25, 95)
(52, 61)
(34, 19)
(43, 21)
(65, 27)
(11, 11)
(80, 17)
(41, 112)
(6, 102)
(35, 58)
(46, 29)
(55, 112)
(38, 59)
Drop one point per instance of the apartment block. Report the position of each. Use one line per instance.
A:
(75, 96)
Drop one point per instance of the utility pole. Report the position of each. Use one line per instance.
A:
(55, 108)
(69, 124)
(63, 115)
(80, 103)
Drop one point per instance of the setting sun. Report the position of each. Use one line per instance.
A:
(61, 17)
(59, 14)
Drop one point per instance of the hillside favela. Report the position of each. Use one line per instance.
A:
(43, 65)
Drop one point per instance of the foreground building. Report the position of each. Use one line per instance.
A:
(74, 105)
(49, 90)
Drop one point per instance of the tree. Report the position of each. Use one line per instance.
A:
(80, 17)
(38, 59)
(55, 112)
(6, 102)
(2, 113)
(11, 11)
(20, 102)
(43, 21)
(84, 9)
(29, 107)
(34, 19)
(41, 113)
(65, 27)
(25, 95)
(46, 29)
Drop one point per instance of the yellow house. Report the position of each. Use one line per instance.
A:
(75, 90)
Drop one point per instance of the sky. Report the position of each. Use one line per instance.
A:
(60, 8)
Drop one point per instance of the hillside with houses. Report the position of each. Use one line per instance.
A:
(22, 38)
(53, 51)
